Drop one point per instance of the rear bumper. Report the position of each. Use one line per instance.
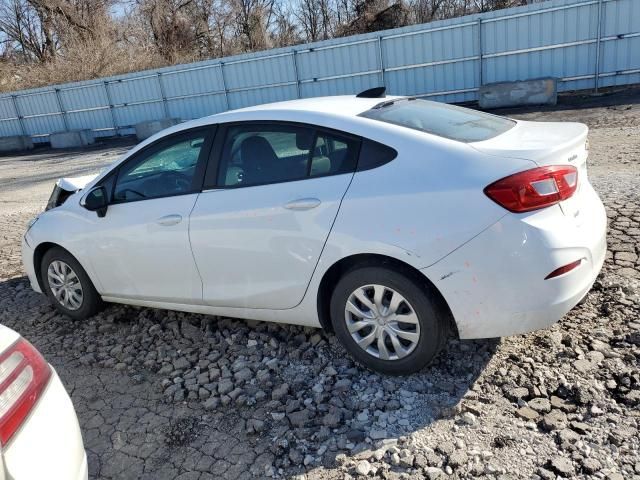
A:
(49, 444)
(495, 285)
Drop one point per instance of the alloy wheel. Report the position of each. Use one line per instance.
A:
(65, 285)
(382, 322)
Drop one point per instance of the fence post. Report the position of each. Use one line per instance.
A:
(62, 110)
(162, 94)
(18, 114)
(381, 59)
(481, 73)
(295, 69)
(111, 108)
(224, 86)
(599, 30)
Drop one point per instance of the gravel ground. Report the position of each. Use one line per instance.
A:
(164, 395)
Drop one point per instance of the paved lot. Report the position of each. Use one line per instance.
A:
(163, 395)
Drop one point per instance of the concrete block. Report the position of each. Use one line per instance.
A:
(16, 143)
(542, 91)
(71, 139)
(146, 129)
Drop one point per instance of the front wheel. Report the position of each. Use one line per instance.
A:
(68, 286)
(387, 320)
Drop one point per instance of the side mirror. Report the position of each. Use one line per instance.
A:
(96, 201)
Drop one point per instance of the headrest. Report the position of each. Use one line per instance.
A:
(304, 138)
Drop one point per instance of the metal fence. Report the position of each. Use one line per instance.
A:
(584, 43)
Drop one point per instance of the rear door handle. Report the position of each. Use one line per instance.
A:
(169, 220)
(302, 204)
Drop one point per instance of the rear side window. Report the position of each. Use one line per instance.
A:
(448, 121)
(333, 154)
(254, 154)
(374, 154)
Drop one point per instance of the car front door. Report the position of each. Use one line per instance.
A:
(142, 243)
(271, 194)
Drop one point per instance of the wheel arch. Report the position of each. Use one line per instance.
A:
(339, 268)
(38, 255)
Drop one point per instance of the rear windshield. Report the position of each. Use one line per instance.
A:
(449, 121)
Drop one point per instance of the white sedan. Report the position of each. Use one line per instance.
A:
(393, 221)
(39, 430)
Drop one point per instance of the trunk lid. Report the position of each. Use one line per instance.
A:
(545, 143)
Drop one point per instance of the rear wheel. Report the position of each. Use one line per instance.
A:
(387, 320)
(68, 286)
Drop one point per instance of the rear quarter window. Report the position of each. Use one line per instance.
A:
(448, 121)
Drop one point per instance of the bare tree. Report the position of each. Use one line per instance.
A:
(252, 21)
(27, 31)
(317, 19)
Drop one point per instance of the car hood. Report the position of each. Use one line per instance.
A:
(73, 184)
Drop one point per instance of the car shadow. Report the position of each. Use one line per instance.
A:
(290, 394)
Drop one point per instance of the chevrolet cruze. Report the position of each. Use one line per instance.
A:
(392, 221)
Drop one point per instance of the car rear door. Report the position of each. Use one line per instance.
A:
(141, 245)
(272, 191)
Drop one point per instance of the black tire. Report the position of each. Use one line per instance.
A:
(91, 302)
(421, 298)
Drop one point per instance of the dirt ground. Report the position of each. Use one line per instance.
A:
(163, 395)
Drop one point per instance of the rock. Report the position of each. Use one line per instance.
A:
(434, 473)
(243, 375)
(559, 403)
(540, 405)
(562, 466)
(225, 386)
(468, 418)
(342, 385)
(581, 428)
(254, 425)
(514, 394)
(300, 418)
(363, 468)
(332, 419)
(591, 465)
(567, 438)
(212, 403)
(280, 392)
(583, 365)
(363, 417)
(527, 413)
(555, 420)
(378, 434)
(190, 331)
(181, 363)
(457, 459)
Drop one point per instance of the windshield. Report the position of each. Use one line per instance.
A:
(449, 121)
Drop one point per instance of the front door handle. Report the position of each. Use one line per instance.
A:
(302, 204)
(169, 220)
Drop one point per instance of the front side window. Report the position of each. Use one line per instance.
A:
(448, 121)
(168, 170)
(263, 154)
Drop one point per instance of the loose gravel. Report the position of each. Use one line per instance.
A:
(164, 395)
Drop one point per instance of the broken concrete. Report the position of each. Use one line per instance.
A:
(16, 143)
(145, 130)
(543, 91)
(72, 139)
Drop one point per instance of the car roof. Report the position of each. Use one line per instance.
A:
(336, 110)
(343, 105)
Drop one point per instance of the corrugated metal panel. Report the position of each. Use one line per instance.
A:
(445, 60)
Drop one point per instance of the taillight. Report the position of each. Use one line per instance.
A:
(533, 189)
(23, 376)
